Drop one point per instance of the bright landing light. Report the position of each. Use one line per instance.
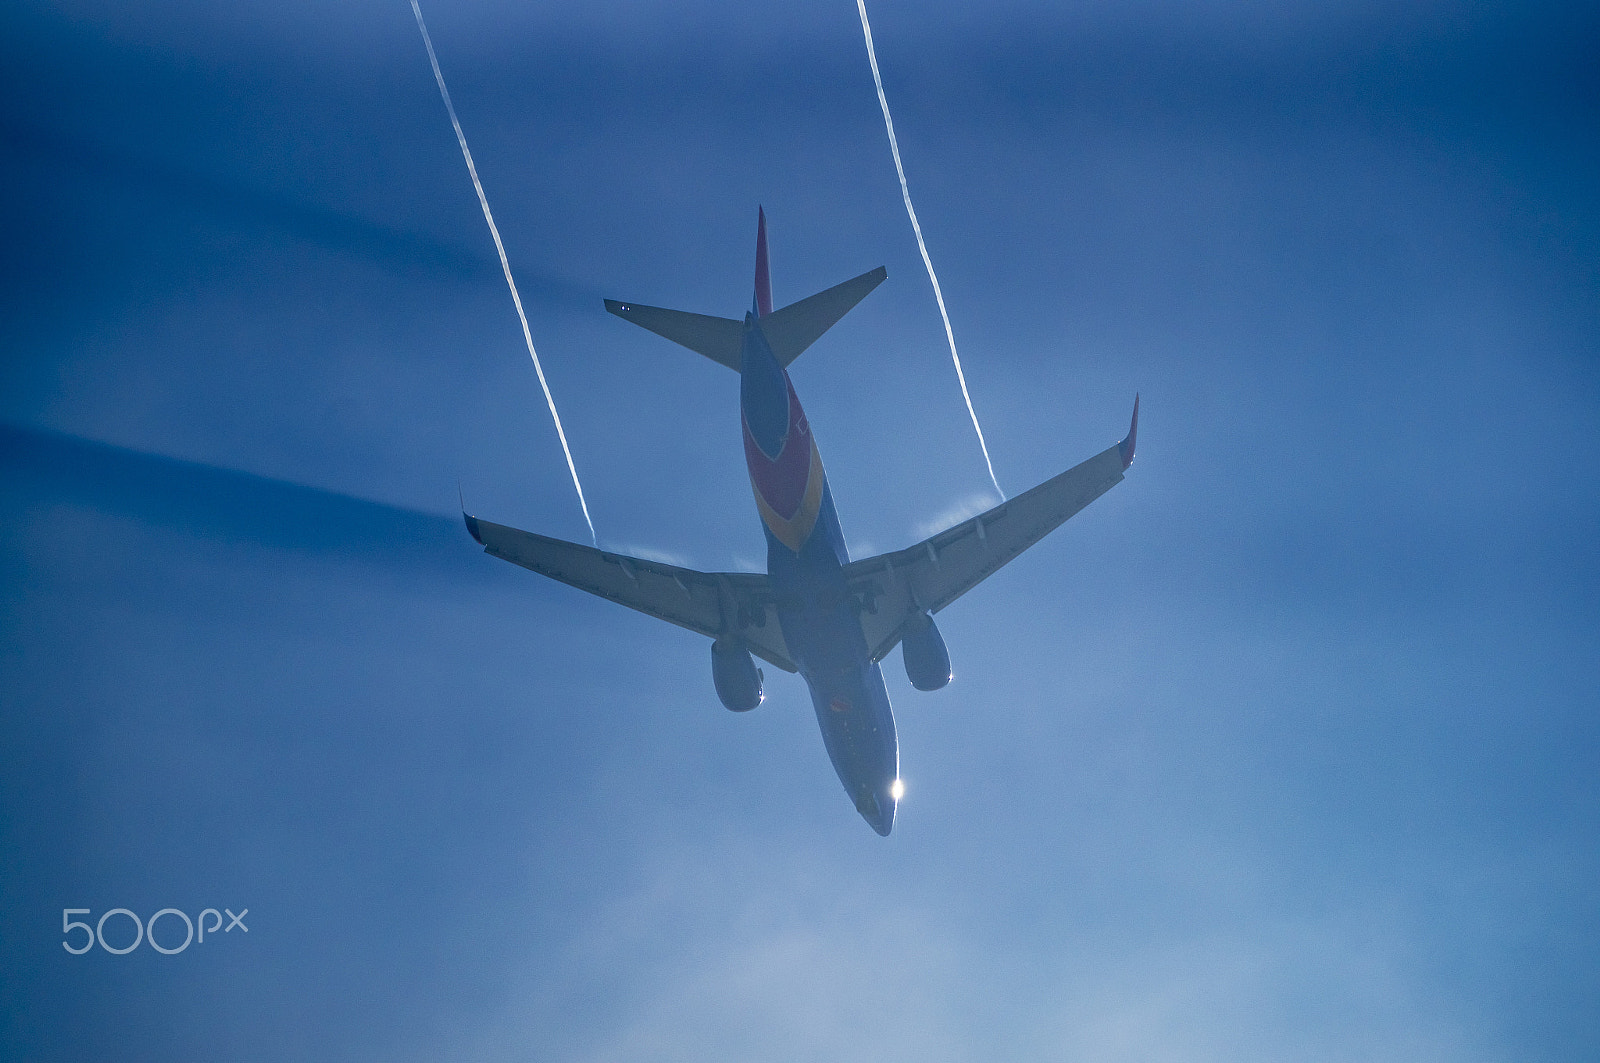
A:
(897, 789)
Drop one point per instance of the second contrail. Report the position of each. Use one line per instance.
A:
(500, 248)
(911, 212)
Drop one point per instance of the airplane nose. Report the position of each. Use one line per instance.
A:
(878, 810)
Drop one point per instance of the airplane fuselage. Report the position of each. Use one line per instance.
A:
(806, 556)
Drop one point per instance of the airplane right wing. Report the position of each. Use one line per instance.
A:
(893, 588)
(714, 604)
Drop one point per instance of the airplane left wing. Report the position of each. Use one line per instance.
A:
(715, 604)
(891, 589)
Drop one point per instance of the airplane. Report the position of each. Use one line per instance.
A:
(816, 611)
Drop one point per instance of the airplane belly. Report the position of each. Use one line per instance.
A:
(858, 732)
(852, 707)
(823, 634)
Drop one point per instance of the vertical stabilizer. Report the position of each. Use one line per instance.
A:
(763, 270)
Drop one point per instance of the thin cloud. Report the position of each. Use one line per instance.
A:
(650, 553)
(969, 506)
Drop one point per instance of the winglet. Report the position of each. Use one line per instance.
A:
(472, 522)
(1126, 446)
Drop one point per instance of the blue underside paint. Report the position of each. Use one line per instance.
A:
(763, 391)
(819, 618)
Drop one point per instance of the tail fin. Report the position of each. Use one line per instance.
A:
(763, 270)
(789, 331)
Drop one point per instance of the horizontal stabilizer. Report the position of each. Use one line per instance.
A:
(797, 326)
(789, 331)
(718, 338)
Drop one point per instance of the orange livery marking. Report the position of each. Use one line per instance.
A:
(788, 486)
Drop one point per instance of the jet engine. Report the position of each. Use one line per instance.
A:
(735, 673)
(922, 647)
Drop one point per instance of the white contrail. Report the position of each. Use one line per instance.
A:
(905, 193)
(483, 201)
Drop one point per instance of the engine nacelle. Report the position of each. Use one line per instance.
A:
(735, 673)
(922, 647)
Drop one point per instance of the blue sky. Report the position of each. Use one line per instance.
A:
(1283, 750)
